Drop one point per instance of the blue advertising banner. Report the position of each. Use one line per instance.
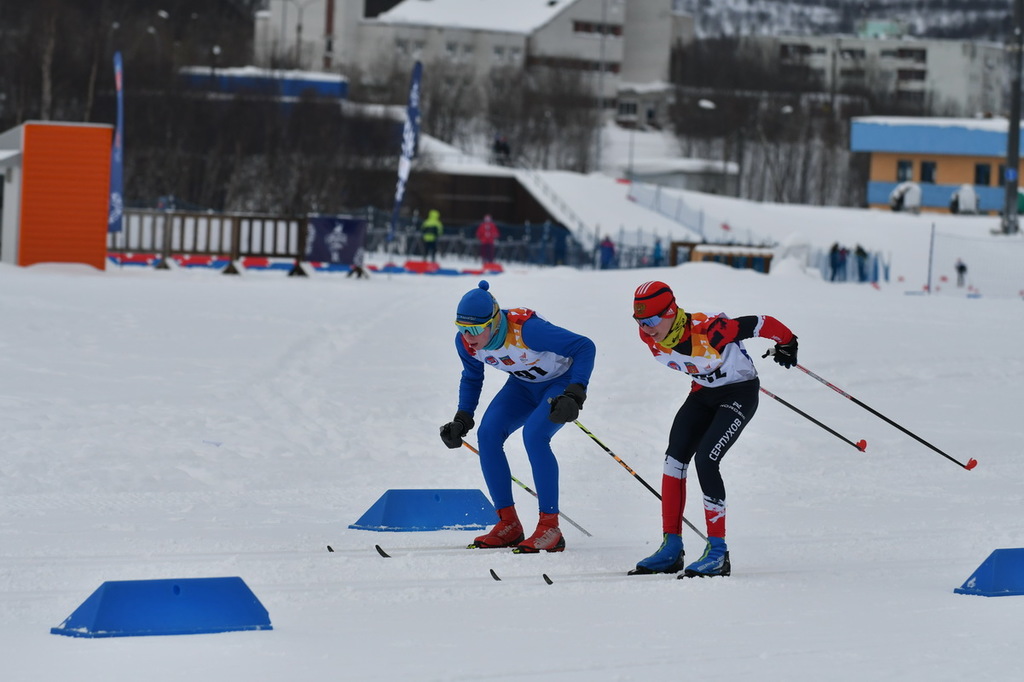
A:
(115, 216)
(410, 137)
(335, 239)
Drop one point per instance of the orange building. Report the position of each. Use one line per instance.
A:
(939, 154)
(56, 193)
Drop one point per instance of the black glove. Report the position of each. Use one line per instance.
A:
(566, 407)
(785, 353)
(459, 426)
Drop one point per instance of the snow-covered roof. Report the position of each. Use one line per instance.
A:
(258, 72)
(9, 157)
(509, 16)
(681, 165)
(994, 124)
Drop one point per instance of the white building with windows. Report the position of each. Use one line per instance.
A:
(614, 41)
(947, 77)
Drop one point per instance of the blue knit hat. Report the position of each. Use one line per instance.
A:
(477, 306)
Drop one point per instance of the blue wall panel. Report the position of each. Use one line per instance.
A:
(926, 139)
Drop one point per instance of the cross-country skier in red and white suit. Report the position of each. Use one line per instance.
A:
(723, 398)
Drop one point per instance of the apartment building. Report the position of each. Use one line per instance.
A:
(945, 77)
(612, 41)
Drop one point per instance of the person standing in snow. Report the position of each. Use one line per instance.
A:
(487, 233)
(549, 369)
(658, 254)
(431, 230)
(607, 249)
(722, 400)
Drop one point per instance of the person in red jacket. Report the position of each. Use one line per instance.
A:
(722, 400)
(487, 233)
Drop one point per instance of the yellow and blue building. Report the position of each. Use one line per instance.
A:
(939, 154)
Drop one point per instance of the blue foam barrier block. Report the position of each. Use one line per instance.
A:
(188, 606)
(417, 510)
(1000, 575)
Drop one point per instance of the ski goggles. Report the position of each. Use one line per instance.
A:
(655, 320)
(652, 321)
(474, 329)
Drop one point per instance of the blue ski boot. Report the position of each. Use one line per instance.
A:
(668, 558)
(714, 561)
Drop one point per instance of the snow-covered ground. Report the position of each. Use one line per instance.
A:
(188, 424)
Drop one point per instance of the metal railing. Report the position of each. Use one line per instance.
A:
(166, 235)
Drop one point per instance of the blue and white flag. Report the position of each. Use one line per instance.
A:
(116, 215)
(410, 137)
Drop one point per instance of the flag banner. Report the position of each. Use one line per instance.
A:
(115, 216)
(410, 138)
(335, 239)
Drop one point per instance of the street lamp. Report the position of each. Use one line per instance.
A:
(300, 7)
(215, 56)
(708, 105)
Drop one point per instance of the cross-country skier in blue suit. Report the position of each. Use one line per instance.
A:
(549, 369)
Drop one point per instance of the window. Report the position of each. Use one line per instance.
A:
(598, 28)
(793, 50)
(910, 97)
(912, 54)
(910, 75)
(928, 171)
(904, 171)
(982, 174)
(499, 51)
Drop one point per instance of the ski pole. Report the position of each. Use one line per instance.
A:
(860, 445)
(527, 489)
(971, 463)
(635, 475)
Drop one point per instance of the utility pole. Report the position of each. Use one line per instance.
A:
(600, 87)
(1010, 179)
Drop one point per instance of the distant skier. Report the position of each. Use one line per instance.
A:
(549, 369)
(723, 398)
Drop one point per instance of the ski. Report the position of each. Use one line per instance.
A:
(399, 551)
(594, 577)
(495, 575)
(390, 553)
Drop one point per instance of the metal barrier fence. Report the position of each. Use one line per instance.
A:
(233, 236)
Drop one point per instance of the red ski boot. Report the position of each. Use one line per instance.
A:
(508, 532)
(546, 538)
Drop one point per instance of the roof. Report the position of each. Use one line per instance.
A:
(9, 158)
(507, 16)
(909, 135)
